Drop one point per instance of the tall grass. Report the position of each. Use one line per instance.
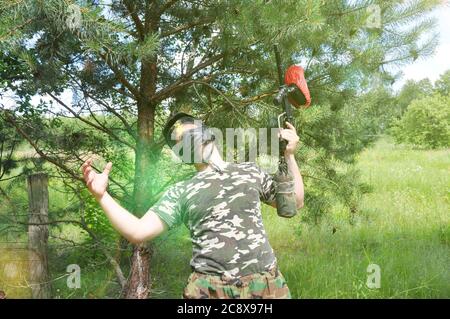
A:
(403, 226)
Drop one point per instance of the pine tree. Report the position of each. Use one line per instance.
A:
(139, 61)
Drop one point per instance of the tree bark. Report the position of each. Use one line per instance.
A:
(38, 236)
(138, 285)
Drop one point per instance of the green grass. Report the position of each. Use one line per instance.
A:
(403, 226)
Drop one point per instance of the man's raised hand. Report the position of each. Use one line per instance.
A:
(290, 135)
(96, 182)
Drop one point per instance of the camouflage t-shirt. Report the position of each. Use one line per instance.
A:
(221, 208)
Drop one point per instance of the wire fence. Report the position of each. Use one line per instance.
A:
(24, 246)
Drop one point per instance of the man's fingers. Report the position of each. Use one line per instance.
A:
(290, 129)
(86, 172)
(290, 126)
(107, 168)
(289, 135)
(85, 164)
(287, 132)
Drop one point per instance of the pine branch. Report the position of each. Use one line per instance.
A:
(185, 79)
(13, 203)
(131, 8)
(128, 127)
(167, 6)
(185, 27)
(217, 91)
(113, 111)
(258, 97)
(57, 163)
(121, 77)
(351, 10)
(97, 126)
(11, 177)
(15, 29)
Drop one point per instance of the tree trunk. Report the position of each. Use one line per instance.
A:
(38, 236)
(138, 285)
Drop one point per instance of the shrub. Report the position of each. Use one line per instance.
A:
(426, 123)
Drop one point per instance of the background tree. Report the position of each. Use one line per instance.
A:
(410, 91)
(426, 123)
(130, 64)
(442, 85)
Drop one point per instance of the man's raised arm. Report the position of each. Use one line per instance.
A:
(134, 229)
(290, 135)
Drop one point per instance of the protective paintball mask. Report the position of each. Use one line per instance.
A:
(189, 145)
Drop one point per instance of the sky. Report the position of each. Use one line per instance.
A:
(431, 67)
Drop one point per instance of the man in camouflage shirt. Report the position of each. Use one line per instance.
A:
(220, 205)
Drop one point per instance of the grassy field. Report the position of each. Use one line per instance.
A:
(403, 226)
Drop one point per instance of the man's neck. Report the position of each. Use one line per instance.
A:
(215, 160)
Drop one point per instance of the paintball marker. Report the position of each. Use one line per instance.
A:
(292, 90)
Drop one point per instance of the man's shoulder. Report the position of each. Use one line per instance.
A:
(248, 166)
(177, 188)
(251, 167)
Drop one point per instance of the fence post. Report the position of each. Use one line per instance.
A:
(38, 235)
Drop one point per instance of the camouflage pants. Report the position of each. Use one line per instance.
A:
(265, 285)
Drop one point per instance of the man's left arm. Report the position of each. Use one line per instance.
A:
(290, 135)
